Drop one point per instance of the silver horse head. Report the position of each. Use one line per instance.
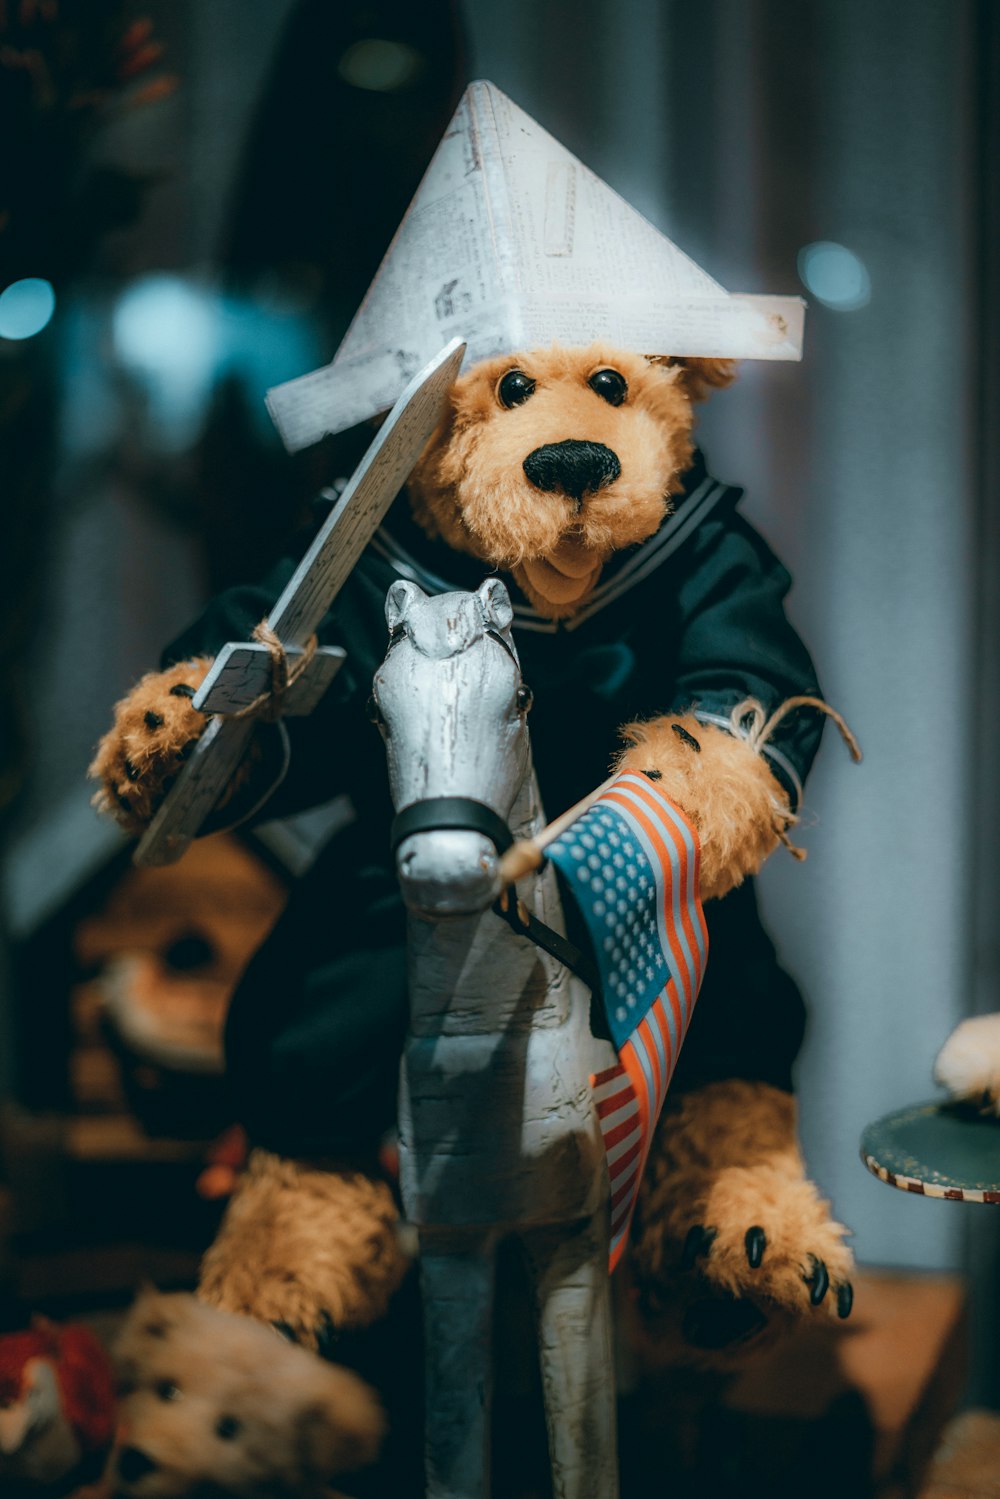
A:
(451, 706)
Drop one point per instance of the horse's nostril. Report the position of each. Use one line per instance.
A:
(573, 468)
(134, 1464)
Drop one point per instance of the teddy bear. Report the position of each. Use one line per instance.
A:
(214, 1403)
(968, 1064)
(650, 624)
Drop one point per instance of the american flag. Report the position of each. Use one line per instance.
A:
(631, 862)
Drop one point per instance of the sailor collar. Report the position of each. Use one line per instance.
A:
(399, 541)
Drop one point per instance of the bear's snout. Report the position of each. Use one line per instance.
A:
(575, 468)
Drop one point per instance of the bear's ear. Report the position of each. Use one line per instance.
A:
(340, 1427)
(699, 376)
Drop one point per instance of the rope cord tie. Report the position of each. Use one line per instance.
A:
(268, 705)
(749, 721)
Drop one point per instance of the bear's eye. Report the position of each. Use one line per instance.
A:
(228, 1428)
(167, 1390)
(515, 388)
(609, 385)
(525, 698)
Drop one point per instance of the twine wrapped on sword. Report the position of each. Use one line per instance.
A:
(269, 705)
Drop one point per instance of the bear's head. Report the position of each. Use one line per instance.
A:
(214, 1404)
(548, 462)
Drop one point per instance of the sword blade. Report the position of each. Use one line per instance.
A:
(308, 595)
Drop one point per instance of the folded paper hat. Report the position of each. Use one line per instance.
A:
(511, 243)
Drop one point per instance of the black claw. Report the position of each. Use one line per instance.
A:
(654, 775)
(687, 738)
(153, 720)
(181, 689)
(755, 1241)
(818, 1281)
(698, 1242)
(845, 1299)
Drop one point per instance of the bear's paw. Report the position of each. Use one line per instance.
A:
(722, 785)
(155, 729)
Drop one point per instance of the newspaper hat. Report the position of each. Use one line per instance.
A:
(511, 243)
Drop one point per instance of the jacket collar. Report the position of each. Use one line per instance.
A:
(439, 569)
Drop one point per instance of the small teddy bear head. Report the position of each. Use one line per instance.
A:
(548, 462)
(211, 1403)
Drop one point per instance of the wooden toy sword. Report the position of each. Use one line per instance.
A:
(243, 680)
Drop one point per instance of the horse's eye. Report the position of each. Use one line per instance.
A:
(525, 698)
(515, 388)
(609, 385)
(167, 1390)
(228, 1428)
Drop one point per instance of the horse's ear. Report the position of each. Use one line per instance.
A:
(400, 600)
(496, 604)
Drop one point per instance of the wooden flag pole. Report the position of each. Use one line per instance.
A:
(527, 853)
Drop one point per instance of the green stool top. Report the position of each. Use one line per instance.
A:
(940, 1149)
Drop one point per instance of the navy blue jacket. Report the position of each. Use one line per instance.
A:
(693, 618)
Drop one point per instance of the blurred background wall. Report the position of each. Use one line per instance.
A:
(829, 147)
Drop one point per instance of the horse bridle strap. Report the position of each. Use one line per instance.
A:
(465, 813)
(462, 812)
(526, 924)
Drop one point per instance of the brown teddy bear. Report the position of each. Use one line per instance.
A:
(220, 1404)
(643, 599)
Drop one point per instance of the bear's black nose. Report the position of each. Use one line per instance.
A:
(134, 1464)
(575, 468)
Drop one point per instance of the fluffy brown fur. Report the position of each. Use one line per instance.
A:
(724, 787)
(726, 1157)
(298, 1245)
(471, 489)
(153, 731)
(222, 1405)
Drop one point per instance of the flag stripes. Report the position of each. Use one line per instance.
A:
(632, 862)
